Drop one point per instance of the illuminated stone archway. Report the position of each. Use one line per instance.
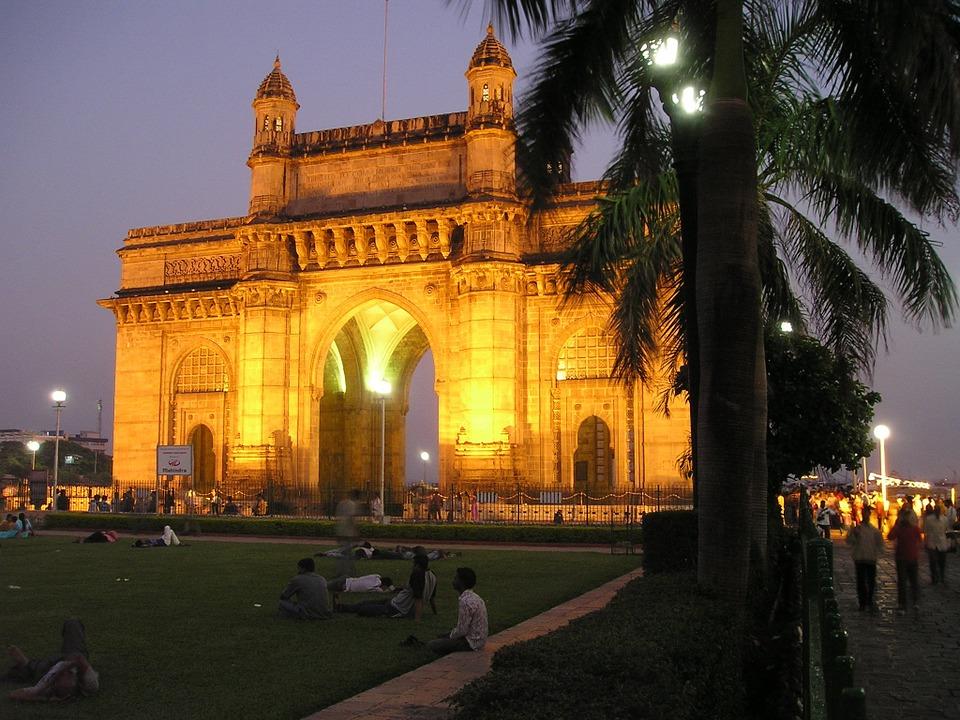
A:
(362, 247)
(378, 341)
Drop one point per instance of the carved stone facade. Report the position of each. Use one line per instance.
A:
(259, 339)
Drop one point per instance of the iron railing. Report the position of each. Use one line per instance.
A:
(480, 503)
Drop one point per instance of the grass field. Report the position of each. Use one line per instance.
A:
(175, 632)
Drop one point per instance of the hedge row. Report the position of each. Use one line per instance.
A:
(658, 650)
(669, 541)
(297, 527)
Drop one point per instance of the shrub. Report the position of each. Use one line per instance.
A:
(658, 650)
(303, 527)
(669, 541)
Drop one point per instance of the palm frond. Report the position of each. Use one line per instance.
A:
(899, 54)
(899, 249)
(779, 301)
(574, 85)
(847, 309)
(622, 229)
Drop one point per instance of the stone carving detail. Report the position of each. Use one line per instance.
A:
(429, 289)
(199, 269)
(265, 296)
(555, 238)
(173, 308)
(320, 298)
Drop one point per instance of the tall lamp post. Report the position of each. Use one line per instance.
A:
(424, 459)
(881, 433)
(382, 388)
(33, 446)
(59, 397)
(670, 73)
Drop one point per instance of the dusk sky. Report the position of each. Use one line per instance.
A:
(127, 114)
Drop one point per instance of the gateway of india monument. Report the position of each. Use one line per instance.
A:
(267, 341)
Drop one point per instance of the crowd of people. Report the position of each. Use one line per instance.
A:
(16, 526)
(307, 597)
(913, 523)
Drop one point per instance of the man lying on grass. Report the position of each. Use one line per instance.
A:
(408, 603)
(58, 677)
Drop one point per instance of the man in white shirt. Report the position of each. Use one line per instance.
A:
(471, 630)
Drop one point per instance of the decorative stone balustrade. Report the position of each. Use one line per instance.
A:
(392, 132)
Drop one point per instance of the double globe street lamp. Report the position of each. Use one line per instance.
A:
(670, 72)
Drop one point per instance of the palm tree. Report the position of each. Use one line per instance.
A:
(805, 142)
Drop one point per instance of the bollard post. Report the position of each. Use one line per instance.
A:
(853, 703)
(839, 675)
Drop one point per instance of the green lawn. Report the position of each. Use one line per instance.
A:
(179, 635)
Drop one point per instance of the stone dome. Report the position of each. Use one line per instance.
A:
(276, 85)
(490, 52)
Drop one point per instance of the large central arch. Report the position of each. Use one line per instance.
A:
(378, 339)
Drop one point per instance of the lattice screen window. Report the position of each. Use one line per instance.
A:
(587, 354)
(203, 370)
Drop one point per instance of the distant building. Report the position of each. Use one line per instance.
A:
(261, 340)
(86, 438)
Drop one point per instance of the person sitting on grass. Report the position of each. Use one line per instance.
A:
(24, 526)
(168, 538)
(305, 596)
(471, 630)
(408, 602)
(231, 507)
(58, 677)
(8, 528)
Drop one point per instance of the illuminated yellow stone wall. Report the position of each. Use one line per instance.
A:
(364, 247)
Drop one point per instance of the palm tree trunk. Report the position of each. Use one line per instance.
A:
(732, 408)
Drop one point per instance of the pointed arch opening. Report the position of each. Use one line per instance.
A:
(204, 459)
(359, 426)
(593, 469)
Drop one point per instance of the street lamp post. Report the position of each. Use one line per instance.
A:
(33, 446)
(382, 388)
(881, 433)
(424, 458)
(59, 397)
(682, 101)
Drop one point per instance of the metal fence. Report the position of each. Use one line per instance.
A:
(478, 503)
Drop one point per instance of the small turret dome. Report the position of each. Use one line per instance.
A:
(490, 52)
(276, 85)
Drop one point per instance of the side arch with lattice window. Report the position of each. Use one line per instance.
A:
(203, 370)
(587, 354)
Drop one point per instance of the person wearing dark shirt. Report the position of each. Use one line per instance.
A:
(63, 676)
(907, 555)
(231, 507)
(305, 596)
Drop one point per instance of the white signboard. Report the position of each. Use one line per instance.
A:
(174, 459)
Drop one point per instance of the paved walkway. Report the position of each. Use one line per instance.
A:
(910, 665)
(422, 694)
